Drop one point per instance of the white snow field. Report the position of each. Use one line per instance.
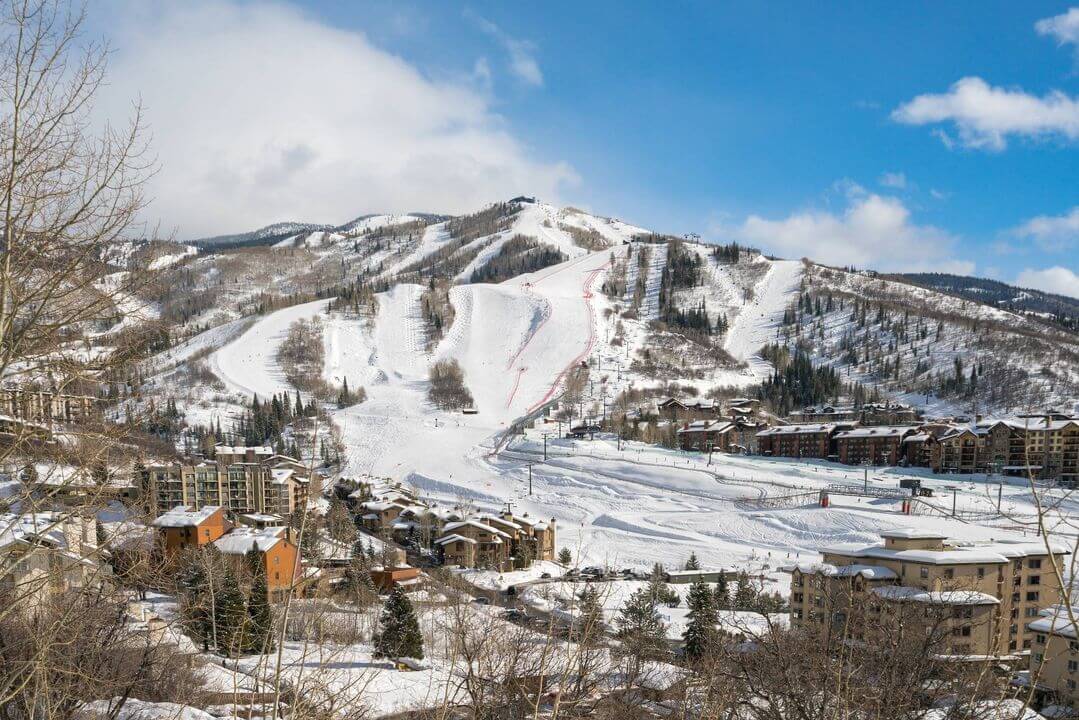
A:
(614, 505)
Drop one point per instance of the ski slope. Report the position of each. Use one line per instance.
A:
(758, 322)
(615, 505)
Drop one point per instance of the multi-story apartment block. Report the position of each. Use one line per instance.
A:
(877, 445)
(799, 441)
(1046, 447)
(185, 527)
(280, 557)
(242, 480)
(1054, 656)
(39, 405)
(988, 591)
(45, 554)
(499, 542)
(738, 435)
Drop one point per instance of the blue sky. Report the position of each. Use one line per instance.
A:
(892, 135)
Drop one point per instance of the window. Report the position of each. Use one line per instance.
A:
(1071, 684)
(1035, 579)
(923, 572)
(1040, 639)
(949, 573)
(1032, 596)
(1031, 612)
(1034, 563)
(981, 572)
(1037, 658)
(1073, 666)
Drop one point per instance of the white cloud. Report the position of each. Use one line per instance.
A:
(1052, 232)
(873, 232)
(985, 116)
(1064, 27)
(260, 113)
(522, 59)
(1059, 280)
(895, 180)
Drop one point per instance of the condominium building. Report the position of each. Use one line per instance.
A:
(242, 480)
(1054, 656)
(799, 441)
(41, 405)
(988, 592)
(498, 542)
(876, 445)
(1042, 446)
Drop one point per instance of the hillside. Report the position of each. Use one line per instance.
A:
(1059, 309)
(666, 310)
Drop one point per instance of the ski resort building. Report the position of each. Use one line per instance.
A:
(279, 557)
(877, 445)
(498, 542)
(241, 480)
(1054, 656)
(1046, 447)
(38, 405)
(185, 527)
(799, 441)
(46, 554)
(982, 594)
(719, 435)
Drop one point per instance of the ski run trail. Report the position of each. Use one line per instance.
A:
(616, 504)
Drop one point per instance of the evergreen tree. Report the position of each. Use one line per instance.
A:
(591, 609)
(745, 595)
(258, 631)
(229, 612)
(722, 594)
(565, 557)
(640, 628)
(399, 631)
(700, 632)
(692, 563)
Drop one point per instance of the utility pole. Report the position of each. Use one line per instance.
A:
(953, 501)
(545, 446)
(530, 479)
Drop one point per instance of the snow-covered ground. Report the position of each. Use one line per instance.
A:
(632, 506)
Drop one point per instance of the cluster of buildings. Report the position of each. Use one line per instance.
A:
(45, 553)
(980, 600)
(183, 528)
(240, 479)
(1043, 445)
(497, 541)
(41, 405)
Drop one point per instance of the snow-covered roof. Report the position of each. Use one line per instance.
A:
(281, 475)
(241, 450)
(805, 429)
(890, 431)
(446, 539)
(716, 426)
(911, 533)
(46, 526)
(183, 516)
(939, 597)
(381, 505)
(241, 540)
(473, 523)
(1056, 619)
(263, 518)
(869, 572)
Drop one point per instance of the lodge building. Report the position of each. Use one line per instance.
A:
(241, 480)
(988, 592)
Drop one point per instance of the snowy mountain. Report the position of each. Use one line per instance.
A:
(665, 310)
